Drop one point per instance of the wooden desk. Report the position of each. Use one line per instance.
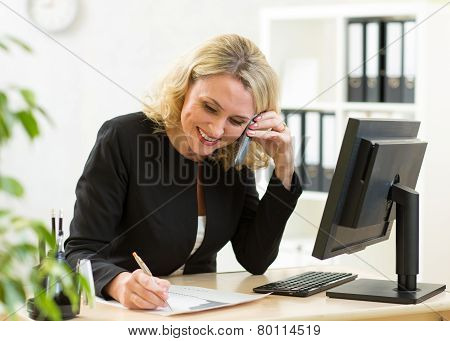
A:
(273, 307)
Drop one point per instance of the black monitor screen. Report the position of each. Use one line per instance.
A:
(375, 154)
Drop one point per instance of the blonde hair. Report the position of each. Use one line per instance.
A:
(225, 54)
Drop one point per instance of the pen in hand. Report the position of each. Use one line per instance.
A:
(147, 271)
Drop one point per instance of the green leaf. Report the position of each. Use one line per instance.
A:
(29, 97)
(43, 233)
(3, 99)
(4, 47)
(5, 133)
(20, 222)
(2, 297)
(14, 294)
(6, 120)
(5, 129)
(20, 43)
(23, 251)
(11, 186)
(44, 113)
(29, 122)
(5, 262)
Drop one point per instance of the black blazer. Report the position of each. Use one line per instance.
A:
(138, 193)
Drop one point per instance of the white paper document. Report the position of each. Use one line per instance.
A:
(188, 299)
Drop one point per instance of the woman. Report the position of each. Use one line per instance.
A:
(162, 183)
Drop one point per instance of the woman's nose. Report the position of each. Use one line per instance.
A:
(216, 129)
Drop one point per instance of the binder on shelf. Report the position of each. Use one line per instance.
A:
(314, 138)
(409, 67)
(294, 122)
(312, 151)
(372, 55)
(393, 72)
(328, 149)
(355, 63)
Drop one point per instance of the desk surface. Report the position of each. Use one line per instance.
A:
(274, 307)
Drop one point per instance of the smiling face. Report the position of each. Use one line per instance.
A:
(215, 113)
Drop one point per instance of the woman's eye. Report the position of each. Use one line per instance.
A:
(237, 123)
(208, 108)
(212, 110)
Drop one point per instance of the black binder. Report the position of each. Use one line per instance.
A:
(409, 54)
(328, 147)
(393, 64)
(295, 120)
(315, 147)
(355, 62)
(312, 143)
(372, 57)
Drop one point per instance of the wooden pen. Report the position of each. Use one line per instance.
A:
(147, 271)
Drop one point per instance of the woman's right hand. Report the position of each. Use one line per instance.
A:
(137, 290)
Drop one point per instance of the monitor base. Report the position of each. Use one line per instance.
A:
(384, 291)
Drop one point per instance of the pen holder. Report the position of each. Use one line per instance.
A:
(65, 309)
(54, 290)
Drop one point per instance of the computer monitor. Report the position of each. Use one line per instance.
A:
(373, 185)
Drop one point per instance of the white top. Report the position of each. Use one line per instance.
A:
(201, 225)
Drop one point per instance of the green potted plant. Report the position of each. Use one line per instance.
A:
(20, 278)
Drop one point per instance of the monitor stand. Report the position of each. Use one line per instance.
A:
(406, 290)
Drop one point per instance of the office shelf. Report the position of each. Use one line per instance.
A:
(379, 107)
(318, 33)
(314, 106)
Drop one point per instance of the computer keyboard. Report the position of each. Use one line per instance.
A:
(306, 284)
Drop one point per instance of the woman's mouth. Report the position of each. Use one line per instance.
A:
(205, 139)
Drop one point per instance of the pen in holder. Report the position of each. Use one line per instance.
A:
(59, 282)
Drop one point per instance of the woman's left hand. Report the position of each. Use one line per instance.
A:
(270, 131)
